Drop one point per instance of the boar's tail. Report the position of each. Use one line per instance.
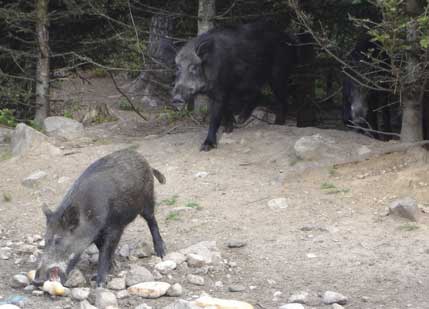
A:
(158, 175)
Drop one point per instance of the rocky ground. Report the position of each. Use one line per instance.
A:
(276, 215)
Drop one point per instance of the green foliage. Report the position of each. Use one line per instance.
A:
(7, 118)
(330, 188)
(170, 201)
(35, 125)
(409, 227)
(327, 186)
(172, 216)
(7, 197)
(193, 205)
(124, 105)
(5, 155)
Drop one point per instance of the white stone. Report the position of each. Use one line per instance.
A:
(154, 289)
(86, 305)
(34, 179)
(19, 281)
(166, 267)
(80, 293)
(211, 302)
(175, 290)
(177, 257)
(313, 147)
(207, 249)
(5, 253)
(363, 150)
(299, 297)
(122, 294)
(116, 284)
(194, 279)
(292, 306)
(278, 203)
(63, 127)
(9, 306)
(195, 260)
(336, 306)
(201, 174)
(330, 297)
(27, 141)
(143, 306)
(406, 208)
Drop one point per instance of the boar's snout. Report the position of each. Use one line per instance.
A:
(178, 100)
(52, 274)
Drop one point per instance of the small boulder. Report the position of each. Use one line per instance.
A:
(166, 267)
(34, 179)
(19, 281)
(336, 306)
(330, 297)
(207, 249)
(80, 293)
(116, 284)
(26, 140)
(138, 274)
(154, 289)
(300, 297)
(194, 279)
(313, 147)
(177, 257)
(105, 298)
(63, 127)
(405, 208)
(75, 279)
(175, 290)
(5, 253)
(195, 260)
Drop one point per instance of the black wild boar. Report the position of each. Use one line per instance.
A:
(231, 65)
(109, 195)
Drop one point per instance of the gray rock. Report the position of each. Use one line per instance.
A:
(194, 279)
(80, 293)
(175, 290)
(292, 306)
(330, 297)
(75, 279)
(105, 298)
(182, 304)
(157, 275)
(143, 306)
(5, 253)
(166, 267)
(278, 203)
(141, 250)
(313, 147)
(236, 244)
(63, 127)
(26, 140)
(122, 294)
(92, 249)
(29, 288)
(154, 289)
(5, 135)
(300, 297)
(116, 284)
(405, 208)
(177, 257)
(336, 306)
(363, 150)
(19, 281)
(37, 293)
(124, 251)
(138, 274)
(195, 260)
(86, 305)
(34, 179)
(236, 288)
(207, 249)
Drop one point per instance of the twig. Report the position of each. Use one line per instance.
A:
(126, 97)
(373, 131)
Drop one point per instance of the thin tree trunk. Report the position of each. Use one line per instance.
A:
(206, 14)
(42, 70)
(412, 126)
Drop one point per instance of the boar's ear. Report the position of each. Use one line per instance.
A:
(48, 213)
(70, 218)
(204, 47)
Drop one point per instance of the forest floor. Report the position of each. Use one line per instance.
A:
(333, 235)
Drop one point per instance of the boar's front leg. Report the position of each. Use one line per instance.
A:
(149, 216)
(107, 243)
(215, 120)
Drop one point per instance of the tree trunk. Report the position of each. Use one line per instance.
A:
(206, 14)
(155, 82)
(42, 70)
(412, 126)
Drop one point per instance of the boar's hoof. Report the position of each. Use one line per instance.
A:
(160, 249)
(207, 146)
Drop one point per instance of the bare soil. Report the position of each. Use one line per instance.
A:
(337, 239)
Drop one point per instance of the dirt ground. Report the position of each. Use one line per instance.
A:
(337, 239)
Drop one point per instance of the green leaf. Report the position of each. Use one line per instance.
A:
(424, 42)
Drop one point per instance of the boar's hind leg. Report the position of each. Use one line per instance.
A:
(108, 242)
(215, 120)
(158, 243)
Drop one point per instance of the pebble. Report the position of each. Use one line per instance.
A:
(19, 281)
(236, 288)
(75, 279)
(122, 294)
(37, 293)
(211, 302)
(336, 306)
(194, 279)
(154, 289)
(175, 290)
(195, 260)
(292, 306)
(299, 297)
(116, 284)
(34, 179)
(201, 174)
(166, 267)
(80, 293)
(177, 257)
(330, 297)
(138, 274)
(105, 298)
(5, 253)
(236, 244)
(143, 306)
(278, 203)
